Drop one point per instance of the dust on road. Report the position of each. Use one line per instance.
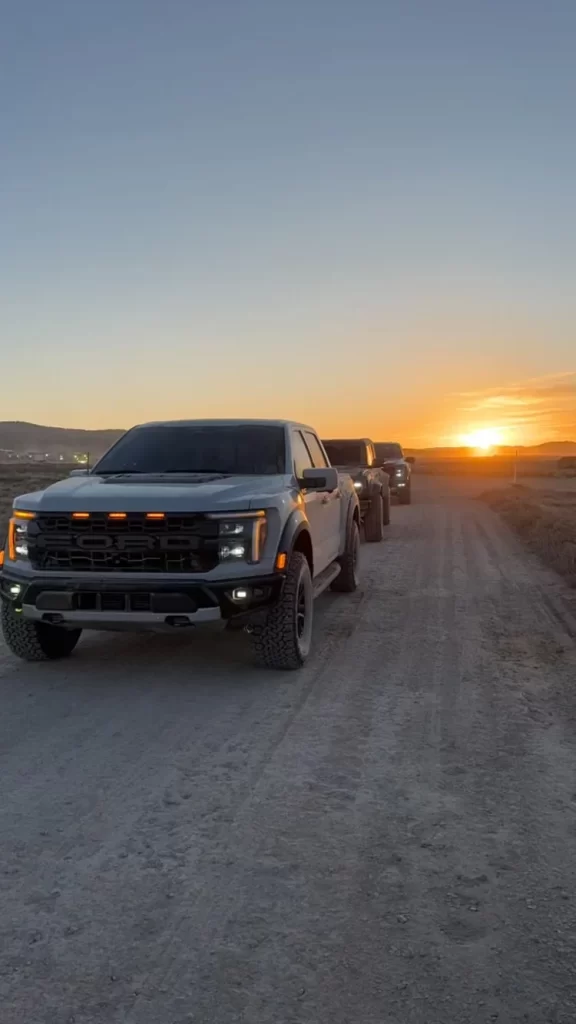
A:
(386, 837)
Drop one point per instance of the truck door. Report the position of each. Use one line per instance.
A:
(331, 501)
(316, 507)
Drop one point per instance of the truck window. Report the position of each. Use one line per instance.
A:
(387, 450)
(346, 453)
(318, 457)
(232, 449)
(302, 459)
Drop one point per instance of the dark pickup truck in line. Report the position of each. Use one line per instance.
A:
(398, 466)
(358, 458)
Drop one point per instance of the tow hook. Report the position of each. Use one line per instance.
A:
(178, 621)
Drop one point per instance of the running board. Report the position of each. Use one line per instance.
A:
(325, 578)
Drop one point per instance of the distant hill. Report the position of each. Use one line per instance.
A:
(549, 449)
(32, 438)
(54, 441)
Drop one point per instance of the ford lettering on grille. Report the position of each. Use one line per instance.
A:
(183, 543)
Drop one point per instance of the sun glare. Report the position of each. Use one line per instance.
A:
(483, 441)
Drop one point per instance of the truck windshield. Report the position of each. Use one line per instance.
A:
(388, 451)
(234, 449)
(345, 453)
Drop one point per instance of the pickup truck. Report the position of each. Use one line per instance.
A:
(399, 469)
(238, 522)
(358, 458)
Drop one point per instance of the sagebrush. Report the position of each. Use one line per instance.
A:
(546, 521)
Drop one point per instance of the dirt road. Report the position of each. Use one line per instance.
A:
(387, 837)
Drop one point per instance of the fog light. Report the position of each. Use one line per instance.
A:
(15, 589)
(240, 594)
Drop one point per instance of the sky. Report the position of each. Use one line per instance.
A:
(361, 215)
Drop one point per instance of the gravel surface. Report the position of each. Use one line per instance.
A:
(386, 837)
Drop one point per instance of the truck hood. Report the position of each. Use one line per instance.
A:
(145, 493)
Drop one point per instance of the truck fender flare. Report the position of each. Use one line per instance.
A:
(295, 525)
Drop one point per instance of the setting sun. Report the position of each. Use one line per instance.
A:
(483, 440)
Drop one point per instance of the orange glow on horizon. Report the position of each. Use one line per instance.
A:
(483, 441)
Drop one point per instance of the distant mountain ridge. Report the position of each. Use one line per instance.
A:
(549, 449)
(25, 438)
(22, 438)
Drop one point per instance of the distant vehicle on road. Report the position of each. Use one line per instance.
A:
(242, 522)
(399, 469)
(358, 458)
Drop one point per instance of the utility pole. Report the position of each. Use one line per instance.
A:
(515, 481)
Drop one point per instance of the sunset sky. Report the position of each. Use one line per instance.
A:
(362, 214)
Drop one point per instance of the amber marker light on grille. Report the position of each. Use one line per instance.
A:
(80, 515)
(1, 559)
(20, 514)
(155, 515)
(281, 560)
(116, 515)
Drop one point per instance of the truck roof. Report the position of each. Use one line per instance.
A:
(228, 422)
(347, 440)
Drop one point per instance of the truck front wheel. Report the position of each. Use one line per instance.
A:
(386, 502)
(284, 640)
(36, 641)
(374, 521)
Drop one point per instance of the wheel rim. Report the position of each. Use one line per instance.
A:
(304, 608)
(301, 609)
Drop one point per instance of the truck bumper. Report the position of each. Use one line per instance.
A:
(399, 486)
(102, 603)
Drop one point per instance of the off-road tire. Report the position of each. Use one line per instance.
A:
(36, 641)
(348, 578)
(277, 642)
(374, 520)
(386, 502)
(405, 495)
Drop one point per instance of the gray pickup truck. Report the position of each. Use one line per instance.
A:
(358, 458)
(238, 522)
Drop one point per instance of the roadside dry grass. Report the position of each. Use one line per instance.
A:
(16, 480)
(544, 519)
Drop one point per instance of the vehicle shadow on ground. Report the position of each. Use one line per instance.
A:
(132, 661)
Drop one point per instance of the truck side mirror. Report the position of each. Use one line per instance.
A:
(410, 459)
(325, 479)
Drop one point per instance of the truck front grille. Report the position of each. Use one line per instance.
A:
(176, 543)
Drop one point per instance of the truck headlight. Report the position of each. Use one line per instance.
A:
(21, 539)
(399, 471)
(18, 535)
(358, 485)
(231, 552)
(242, 537)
